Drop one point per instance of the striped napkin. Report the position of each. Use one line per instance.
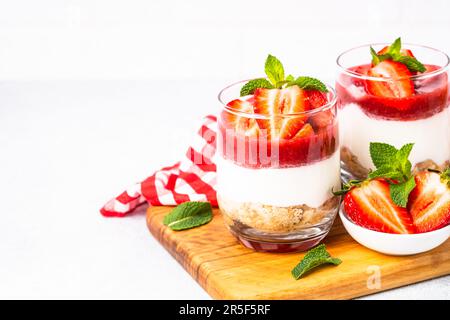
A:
(191, 179)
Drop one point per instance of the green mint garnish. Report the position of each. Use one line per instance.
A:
(394, 53)
(276, 79)
(308, 83)
(314, 258)
(391, 164)
(394, 166)
(189, 215)
(274, 69)
(252, 85)
(400, 192)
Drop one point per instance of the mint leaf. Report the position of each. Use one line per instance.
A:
(400, 192)
(308, 83)
(411, 63)
(252, 85)
(382, 154)
(402, 159)
(290, 78)
(274, 69)
(313, 258)
(395, 47)
(386, 172)
(188, 215)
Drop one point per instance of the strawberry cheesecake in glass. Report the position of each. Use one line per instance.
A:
(393, 94)
(277, 163)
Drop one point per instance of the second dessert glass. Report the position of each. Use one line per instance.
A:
(393, 108)
(275, 172)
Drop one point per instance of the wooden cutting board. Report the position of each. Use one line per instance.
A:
(228, 270)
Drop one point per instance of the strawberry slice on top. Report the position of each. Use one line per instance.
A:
(241, 124)
(429, 202)
(370, 205)
(275, 103)
(395, 80)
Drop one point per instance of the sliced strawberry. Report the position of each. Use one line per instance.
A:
(294, 101)
(304, 132)
(429, 202)
(268, 102)
(370, 206)
(274, 103)
(321, 119)
(242, 124)
(397, 83)
(403, 52)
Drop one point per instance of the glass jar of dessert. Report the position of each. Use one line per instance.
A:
(395, 94)
(277, 163)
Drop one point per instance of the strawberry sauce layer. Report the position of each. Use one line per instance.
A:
(258, 152)
(430, 97)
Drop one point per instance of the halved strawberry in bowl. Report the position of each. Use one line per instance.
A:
(370, 206)
(240, 123)
(395, 81)
(429, 202)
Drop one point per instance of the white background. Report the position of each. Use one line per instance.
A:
(96, 94)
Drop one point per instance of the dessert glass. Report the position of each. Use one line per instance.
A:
(422, 119)
(276, 194)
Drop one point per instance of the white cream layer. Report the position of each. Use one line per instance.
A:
(431, 136)
(282, 187)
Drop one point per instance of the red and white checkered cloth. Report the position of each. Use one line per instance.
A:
(191, 179)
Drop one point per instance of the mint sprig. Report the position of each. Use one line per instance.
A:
(394, 53)
(393, 165)
(314, 258)
(189, 215)
(252, 85)
(276, 79)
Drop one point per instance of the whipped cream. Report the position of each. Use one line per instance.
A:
(431, 136)
(283, 187)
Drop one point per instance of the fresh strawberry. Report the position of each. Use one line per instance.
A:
(304, 132)
(429, 202)
(245, 125)
(397, 83)
(403, 52)
(321, 119)
(275, 103)
(370, 205)
(268, 102)
(294, 101)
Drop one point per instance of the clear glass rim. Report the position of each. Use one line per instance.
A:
(323, 108)
(433, 73)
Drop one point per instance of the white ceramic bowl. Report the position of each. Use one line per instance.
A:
(394, 244)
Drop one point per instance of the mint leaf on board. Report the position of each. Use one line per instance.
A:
(314, 258)
(274, 69)
(411, 63)
(252, 85)
(400, 192)
(189, 215)
(382, 154)
(308, 83)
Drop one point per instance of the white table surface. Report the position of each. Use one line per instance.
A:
(66, 148)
